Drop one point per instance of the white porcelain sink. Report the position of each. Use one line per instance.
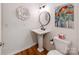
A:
(39, 31)
(40, 34)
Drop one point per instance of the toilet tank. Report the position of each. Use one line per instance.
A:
(62, 46)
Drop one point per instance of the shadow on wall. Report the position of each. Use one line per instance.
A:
(34, 37)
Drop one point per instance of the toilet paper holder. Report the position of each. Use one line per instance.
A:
(1, 43)
(51, 42)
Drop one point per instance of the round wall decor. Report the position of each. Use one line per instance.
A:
(22, 13)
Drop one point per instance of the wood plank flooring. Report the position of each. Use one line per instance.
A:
(32, 51)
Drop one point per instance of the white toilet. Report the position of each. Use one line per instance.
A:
(62, 47)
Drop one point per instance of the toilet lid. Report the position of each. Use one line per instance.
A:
(54, 52)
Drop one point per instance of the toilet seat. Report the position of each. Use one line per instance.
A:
(54, 52)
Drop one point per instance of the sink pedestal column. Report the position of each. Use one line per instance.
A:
(40, 43)
(40, 34)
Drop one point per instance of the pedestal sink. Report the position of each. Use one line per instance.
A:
(40, 34)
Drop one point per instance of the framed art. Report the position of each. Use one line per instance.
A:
(64, 16)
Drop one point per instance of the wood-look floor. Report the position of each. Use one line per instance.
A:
(32, 51)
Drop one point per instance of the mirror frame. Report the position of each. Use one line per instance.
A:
(47, 22)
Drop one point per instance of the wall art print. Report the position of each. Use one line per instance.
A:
(64, 16)
(22, 13)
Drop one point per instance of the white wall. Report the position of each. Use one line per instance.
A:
(70, 34)
(16, 33)
(78, 27)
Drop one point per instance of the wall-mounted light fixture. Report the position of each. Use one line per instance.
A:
(42, 6)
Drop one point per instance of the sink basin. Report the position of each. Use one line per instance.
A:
(40, 34)
(39, 31)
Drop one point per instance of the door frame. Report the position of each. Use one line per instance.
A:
(0, 27)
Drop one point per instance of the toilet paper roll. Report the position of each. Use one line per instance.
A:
(51, 42)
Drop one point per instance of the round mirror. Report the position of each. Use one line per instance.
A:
(44, 18)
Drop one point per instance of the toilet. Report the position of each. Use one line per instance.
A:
(62, 47)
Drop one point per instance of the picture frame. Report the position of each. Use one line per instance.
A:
(64, 16)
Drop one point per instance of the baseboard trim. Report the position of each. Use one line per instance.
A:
(22, 49)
